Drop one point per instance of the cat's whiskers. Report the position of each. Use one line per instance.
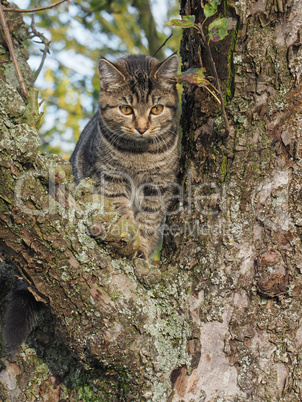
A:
(115, 136)
(173, 132)
(156, 141)
(163, 140)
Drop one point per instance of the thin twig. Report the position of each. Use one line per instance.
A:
(209, 83)
(169, 37)
(226, 122)
(45, 51)
(33, 16)
(33, 10)
(12, 52)
(213, 94)
(224, 115)
(44, 40)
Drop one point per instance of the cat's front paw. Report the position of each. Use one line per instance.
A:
(123, 237)
(106, 225)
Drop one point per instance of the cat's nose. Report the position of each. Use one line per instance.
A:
(141, 130)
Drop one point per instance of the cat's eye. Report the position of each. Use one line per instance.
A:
(126, 109)
(157, 109)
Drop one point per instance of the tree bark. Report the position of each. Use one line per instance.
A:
(245, 239)
(220, 316)
(124, 319)
(111, 312)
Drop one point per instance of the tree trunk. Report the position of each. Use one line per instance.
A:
(244, 247)
(219, 317)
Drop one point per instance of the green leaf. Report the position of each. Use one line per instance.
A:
(210, 8)
(193, 76)
(188, 21)
(219, 22)
(218, 29)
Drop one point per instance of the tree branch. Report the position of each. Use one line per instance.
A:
(123, 316)
(44, 40)
(12, 52)
(33, 10)
(161, 46)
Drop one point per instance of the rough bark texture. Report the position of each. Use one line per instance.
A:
(112, 314)
(245, 247)
(220, 317)
(124, 321)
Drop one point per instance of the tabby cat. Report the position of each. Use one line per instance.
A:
(130, 147)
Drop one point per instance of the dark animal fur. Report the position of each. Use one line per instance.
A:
(20, 316)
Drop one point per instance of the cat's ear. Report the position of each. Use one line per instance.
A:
(110, 76)
(168, 68)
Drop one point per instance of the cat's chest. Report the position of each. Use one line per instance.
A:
(147, 169)
(141, 164)
(138, 167)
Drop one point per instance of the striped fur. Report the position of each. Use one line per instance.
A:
(133, 157)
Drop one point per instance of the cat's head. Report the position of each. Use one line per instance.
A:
(138, 95)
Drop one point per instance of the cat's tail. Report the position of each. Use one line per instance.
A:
(21, 315)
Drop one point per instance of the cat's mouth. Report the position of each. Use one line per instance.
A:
(140, 136)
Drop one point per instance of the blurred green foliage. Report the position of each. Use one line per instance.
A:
(80, 33)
